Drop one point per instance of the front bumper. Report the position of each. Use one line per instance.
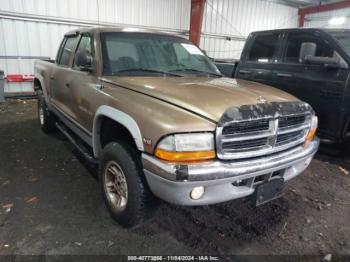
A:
(223, 180)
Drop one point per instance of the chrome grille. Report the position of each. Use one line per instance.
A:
(244, 127)
(245, 144)
(291, 121)
(243, 139)
(289, 137)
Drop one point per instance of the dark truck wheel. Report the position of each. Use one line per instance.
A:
(123, 184)
(46, 120)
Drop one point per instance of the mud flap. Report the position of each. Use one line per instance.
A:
(268, 191)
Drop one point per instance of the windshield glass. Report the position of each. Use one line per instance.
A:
(343, 37)
(142, 54)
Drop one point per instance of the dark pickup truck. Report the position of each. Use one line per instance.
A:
(311, 64)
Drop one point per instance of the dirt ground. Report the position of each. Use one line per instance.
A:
(50, 204)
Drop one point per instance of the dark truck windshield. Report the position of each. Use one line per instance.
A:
(149, 54)
(343, 37)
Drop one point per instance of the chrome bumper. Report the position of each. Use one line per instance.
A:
(174, 182)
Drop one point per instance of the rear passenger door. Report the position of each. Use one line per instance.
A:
(258, 60)
(83, 86)
(58, 79)
(317, 85)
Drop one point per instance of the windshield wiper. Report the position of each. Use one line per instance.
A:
(195, 71)
(147, 70)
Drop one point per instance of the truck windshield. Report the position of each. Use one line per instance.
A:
(140, 54)
(343, 37)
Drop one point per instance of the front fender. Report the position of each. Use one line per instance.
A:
(120, 117)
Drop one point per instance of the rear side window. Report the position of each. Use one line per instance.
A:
(295, 40)
(67, 50)
(263, 48)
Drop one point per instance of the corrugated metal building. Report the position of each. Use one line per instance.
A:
(227, 23)
(322, 19)
(33, 29)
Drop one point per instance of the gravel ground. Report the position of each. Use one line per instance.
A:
(50, 204)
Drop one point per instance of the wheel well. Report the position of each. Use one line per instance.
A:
(113, 131)
(37, 85)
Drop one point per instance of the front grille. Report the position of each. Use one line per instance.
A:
(258, 137)
(289, 137)
(245, 144)
(291, 121)
(245, 127)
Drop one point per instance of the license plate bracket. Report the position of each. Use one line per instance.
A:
(268, 191)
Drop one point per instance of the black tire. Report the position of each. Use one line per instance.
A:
(46, 119)
(120, 156)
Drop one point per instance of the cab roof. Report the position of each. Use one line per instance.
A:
(96, 30)
(327, 30)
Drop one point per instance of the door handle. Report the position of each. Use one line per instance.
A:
(284, 75)
(244, 72)
(52, 78)
(67, 85)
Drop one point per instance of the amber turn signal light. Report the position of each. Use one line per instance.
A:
(312, 132)
(184, 156)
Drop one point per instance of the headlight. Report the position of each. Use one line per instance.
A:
(186, 147)
(311, 134)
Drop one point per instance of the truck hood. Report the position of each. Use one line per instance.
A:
(208, 97)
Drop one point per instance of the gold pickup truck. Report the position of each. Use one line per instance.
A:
(157, 116)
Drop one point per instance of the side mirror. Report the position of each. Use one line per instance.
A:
(307, 49)
(330, 62)
(84, 60)
(307, 56)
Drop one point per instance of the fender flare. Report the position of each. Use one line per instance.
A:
(120, 117)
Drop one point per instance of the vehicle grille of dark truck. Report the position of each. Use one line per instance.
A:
(252, 138)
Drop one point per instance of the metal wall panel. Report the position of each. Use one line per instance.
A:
(36, 37)
(41, 34)
(24, 38)
(159, 13)
(321, 19)
(235, 19)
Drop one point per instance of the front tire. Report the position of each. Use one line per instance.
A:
(123, 185)
(46, 119)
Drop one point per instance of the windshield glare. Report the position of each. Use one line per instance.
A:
(129, 53)
(343, 37)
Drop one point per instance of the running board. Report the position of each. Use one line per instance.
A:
(82, 149)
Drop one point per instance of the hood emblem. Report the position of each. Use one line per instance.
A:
(261, 100)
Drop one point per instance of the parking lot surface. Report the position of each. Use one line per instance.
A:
(50, 203)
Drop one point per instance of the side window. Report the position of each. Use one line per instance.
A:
(263, 48)
(67, 51)
(294, 42)
(85, 44)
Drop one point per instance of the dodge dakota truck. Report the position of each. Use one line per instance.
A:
(160, 120)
